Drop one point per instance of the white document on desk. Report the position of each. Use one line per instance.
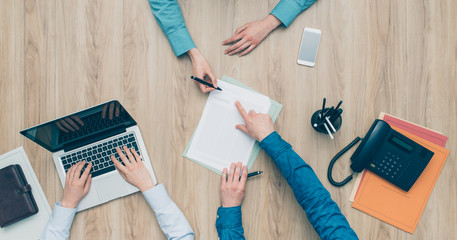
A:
(216, 142)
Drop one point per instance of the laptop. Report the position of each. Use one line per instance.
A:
(93, 135)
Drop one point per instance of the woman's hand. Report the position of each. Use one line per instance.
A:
(201, 70)
(251, 35)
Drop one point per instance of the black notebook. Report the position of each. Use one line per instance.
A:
(16, 199)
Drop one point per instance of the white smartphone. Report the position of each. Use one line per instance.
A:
(308, 48)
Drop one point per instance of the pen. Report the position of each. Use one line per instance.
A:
(327, 113)
(328, 131)
(254, 173)
(339, 104)
(205, 83)
(323, 106)
(336, 115)
(330, 124)
(324, 115)
(320, 122)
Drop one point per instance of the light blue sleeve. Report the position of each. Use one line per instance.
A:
(59, 224)
(168, 15)
(172, 221)
(287, 10)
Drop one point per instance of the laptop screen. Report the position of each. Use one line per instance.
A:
(81, 128)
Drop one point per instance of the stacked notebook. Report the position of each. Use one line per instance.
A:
(379, 198)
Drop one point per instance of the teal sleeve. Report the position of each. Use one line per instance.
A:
(287, 10)
(169, 16)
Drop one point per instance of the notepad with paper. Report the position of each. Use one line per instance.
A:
(216, 143)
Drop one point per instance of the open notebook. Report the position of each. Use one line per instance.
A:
(216, 142)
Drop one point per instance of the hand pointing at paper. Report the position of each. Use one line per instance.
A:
(323, 213)
(258, 125)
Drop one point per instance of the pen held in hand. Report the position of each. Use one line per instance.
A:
(205, 83)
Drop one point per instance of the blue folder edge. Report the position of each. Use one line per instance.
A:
(274, 111)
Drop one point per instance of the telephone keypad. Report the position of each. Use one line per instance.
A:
(388, 166)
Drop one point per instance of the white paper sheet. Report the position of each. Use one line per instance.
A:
(217, 143)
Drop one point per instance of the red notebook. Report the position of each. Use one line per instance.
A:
(424, 133)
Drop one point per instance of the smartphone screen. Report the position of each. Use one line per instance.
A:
(309, 46)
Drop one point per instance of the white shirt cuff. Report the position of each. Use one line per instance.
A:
(157, 197)
(63, 217)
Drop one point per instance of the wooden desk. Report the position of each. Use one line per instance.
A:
(399, 57)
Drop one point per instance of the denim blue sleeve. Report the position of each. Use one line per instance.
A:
(168, 15)
(287, 10)
(323, 213)
(228, 223)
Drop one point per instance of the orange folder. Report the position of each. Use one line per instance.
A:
(383, 200)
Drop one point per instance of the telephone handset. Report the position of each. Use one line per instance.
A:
(388, 154)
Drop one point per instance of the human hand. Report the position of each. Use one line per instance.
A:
(233, 187)
(251, 35)
(76, 186)
(258, 125)
(134, 171)
(201, 70)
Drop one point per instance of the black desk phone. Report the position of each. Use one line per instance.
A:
(387, 153)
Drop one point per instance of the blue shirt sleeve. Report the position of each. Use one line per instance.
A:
(171, 220)
(168, 15)
(287, 10)
(228, 223)
(323, 213)
(59, 224)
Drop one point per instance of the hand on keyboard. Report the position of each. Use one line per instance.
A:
(133, 171)
(77, 185)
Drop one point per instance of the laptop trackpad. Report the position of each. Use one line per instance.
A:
(111, 187)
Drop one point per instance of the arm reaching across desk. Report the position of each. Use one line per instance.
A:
(169, 16)
(323, 213)
(250, 35)
(171, 219)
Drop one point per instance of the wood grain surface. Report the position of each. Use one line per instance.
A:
(400, 57)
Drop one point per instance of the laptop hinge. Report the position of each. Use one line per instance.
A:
(91, 139)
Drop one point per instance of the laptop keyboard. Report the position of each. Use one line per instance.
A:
(100, 155)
